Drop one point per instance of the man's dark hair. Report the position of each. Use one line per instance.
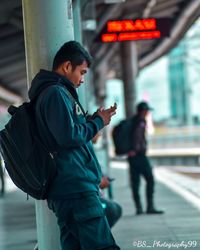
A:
(71, 51)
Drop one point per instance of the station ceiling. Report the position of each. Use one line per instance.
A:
(12, 52)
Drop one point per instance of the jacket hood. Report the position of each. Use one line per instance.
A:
(47, 78)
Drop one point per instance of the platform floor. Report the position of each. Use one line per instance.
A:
(178, 228)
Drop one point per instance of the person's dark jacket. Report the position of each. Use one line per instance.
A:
(138, 135)
(62, 125)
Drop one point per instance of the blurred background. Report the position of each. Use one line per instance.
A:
(131, 63)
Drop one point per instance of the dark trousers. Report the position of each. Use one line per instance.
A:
(82, 222)
(139, 165)
(113, 211)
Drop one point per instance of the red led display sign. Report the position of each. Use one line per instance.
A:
(131, 25)
(139, 29)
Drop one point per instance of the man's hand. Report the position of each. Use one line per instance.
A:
(106, 114)
(104, 182)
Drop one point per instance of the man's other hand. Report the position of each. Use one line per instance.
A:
(104, 182)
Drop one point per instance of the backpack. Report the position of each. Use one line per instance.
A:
(29, 163)
(121, 136)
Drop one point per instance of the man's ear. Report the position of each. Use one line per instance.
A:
(67, 66)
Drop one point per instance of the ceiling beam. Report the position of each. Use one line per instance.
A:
(10, 4)
(18, 56)
(165, 5)
(165, 12)
(104, 50)
(15, 77)
(135, 3)
(187, 17)
(12, 44)
(111, 10)
(7, 30)
(16, 21)
(13, 67)
(108, 52)
(6, 9)
(18, 84)
(9, 96)
(148, 8)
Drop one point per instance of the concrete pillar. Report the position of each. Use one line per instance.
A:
(78, 38)
(77, 20)
(129, 64)
(47, 25)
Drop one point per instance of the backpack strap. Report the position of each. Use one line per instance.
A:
(52, 144)
(74, 100)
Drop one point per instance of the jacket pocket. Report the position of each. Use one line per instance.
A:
(88, 208)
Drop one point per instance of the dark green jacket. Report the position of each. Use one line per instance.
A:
(63, 127)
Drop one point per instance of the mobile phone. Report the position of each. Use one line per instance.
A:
(114, 107)
(111, 179)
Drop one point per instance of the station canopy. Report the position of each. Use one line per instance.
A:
(96, 15)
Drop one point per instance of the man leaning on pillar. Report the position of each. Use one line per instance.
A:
(74, 193)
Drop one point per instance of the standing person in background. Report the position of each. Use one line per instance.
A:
(74, 194)
(139, 164)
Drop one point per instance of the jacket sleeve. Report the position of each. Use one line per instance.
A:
(58, 113)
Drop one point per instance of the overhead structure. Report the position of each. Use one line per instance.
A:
(94, 14)
(181, 13)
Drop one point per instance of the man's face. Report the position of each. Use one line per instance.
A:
(76, 75)
(144, 113)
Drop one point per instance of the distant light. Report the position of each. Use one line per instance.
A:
(89, 25)
(111, 74)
